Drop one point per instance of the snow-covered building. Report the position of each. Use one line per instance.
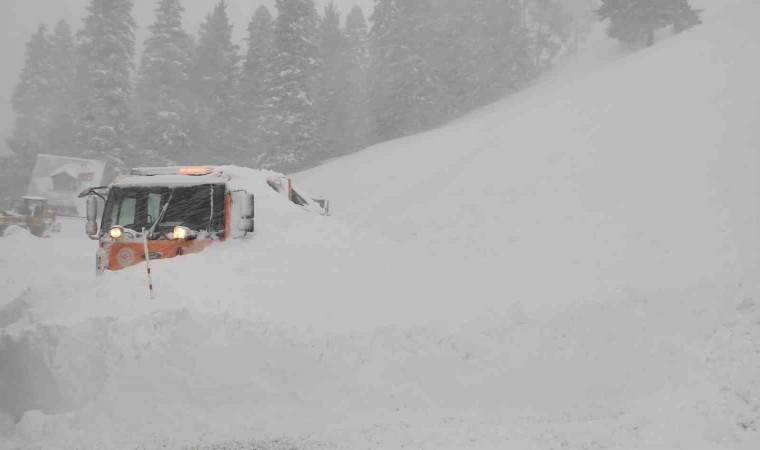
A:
(61, 179)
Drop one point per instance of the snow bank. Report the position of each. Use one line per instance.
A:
(638, 170)
(734, 356)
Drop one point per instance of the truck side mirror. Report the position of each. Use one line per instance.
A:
(247, 214)
(92, 217)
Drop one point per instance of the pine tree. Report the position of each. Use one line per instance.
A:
(289, 128)
(331, 98)
(385, 20)
(455, 48)
(434, 60)
(34, 115)
(31, 97)
(215, 79)
(260, 46)
(549, 26)
(162, 91)
(356, 92)
(103, 85)
(683, 16)
(64, 60)
(405, 80)
(583, 16)
(635, 21)
(504, 61)
(64, 54)
(260, 50)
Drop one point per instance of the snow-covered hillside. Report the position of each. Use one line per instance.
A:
(574, 267)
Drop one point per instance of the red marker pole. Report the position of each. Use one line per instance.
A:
(147, 263)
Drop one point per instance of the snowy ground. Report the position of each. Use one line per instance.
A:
(574, 267)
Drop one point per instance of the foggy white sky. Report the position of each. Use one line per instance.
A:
(20, 18)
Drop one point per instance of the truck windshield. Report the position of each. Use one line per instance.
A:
(199, 208)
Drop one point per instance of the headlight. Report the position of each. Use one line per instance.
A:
(181, 233)
(116, 232)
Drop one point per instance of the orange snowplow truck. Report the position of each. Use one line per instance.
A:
(166, 212)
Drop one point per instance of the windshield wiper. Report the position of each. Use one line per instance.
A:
(160, 215)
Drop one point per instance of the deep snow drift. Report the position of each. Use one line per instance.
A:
(575, 267)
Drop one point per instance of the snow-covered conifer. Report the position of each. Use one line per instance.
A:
(162, 90)
(635, 21)
(103, 82)
(332, 97)
(405, 80)
(356, 92)
(260, 50)
(34, 112)
(289, 127)
(260, 47)
(64, 60)
(215, 80)
(31, 97)
(383, 42)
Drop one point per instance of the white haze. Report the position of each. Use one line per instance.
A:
(21, 18)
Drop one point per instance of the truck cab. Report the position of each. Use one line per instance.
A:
(165, 212)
